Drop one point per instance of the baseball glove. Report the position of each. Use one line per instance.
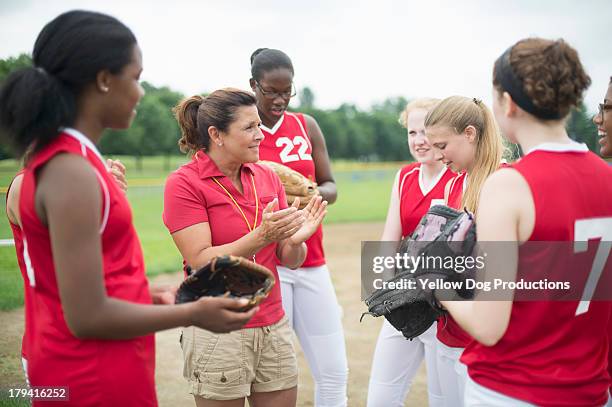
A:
(227, 275)
(296, 185)
(442, 233)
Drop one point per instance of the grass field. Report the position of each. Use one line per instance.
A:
(363, 196)
(5, 401)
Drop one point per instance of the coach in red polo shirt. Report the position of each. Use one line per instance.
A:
(221, 202)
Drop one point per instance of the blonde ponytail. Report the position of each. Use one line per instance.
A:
(489, 153)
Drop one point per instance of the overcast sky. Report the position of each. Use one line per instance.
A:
(347, 51)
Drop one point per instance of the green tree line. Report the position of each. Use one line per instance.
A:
(351, 133)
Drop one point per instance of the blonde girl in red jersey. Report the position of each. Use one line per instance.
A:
(89, 326)
(546, 353)
(417, 186)
(466, 139)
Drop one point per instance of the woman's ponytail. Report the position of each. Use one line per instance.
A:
(33, 106)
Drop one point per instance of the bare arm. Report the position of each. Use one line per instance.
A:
(291, 255)
(447, 191)
(292, 251)
(325, 179)
(504, 200)
(393, 225)
(195, 245)
(68, 201)
(195, 242)
(12, 201)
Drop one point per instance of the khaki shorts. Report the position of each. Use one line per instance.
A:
(231, 366)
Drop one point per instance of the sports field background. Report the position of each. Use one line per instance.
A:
(358, 214)
(363, 197)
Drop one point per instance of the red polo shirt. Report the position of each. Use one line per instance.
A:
(192, 196)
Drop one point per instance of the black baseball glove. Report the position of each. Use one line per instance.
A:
(231, 276)
(442, 233)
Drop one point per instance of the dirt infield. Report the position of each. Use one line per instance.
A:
(342, 245)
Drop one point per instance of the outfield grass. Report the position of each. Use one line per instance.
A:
(5, 401)
(363, 194)
(11, 283)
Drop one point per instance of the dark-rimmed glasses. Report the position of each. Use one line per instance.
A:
(273, 95)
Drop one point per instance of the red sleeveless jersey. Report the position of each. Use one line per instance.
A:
(449, 332)
(455, 192)
(18, 239)
(96, 372)
(555, 353)
(288, 143)
(415, 199)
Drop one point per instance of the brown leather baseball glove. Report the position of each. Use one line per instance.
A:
(233, 276)
(296, 185)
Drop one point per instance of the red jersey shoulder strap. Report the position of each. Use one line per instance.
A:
(301, 121)
(8, 189)
(66, 143)
(404, 173)
(11, 184)
(454, 183)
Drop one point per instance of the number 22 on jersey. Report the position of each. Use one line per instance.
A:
(287, 155)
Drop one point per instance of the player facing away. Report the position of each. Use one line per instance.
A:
(466, 139)
(417, 186)
(546, 353)
(91, 317)
(309, 299)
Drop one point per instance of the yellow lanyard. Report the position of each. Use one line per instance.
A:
(238, 206)
(240, 209)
